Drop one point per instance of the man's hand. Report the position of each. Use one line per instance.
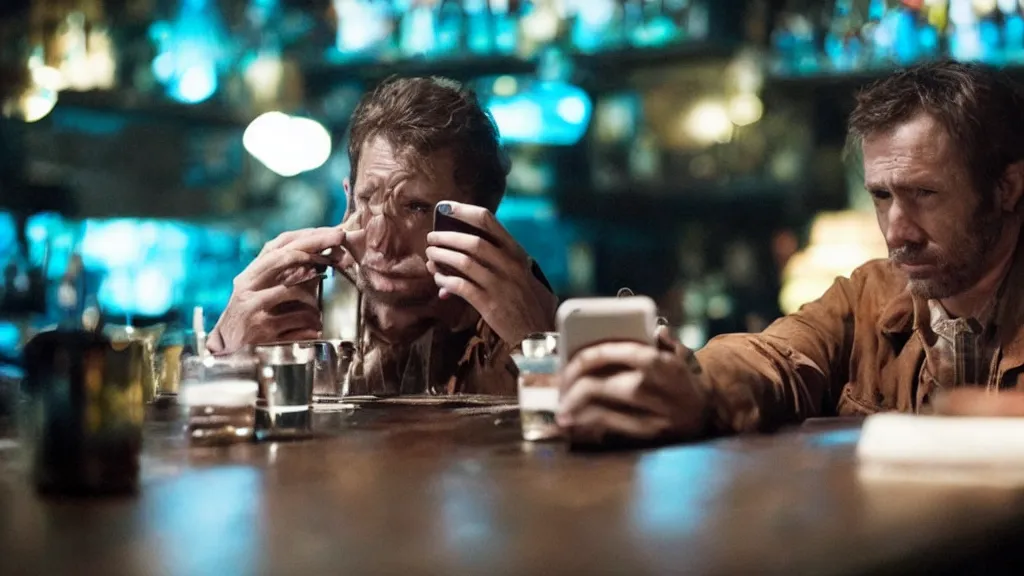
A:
(496, 279)
(980, 403)
(633, 391)
(274, 298)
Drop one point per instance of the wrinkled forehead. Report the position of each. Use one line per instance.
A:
(921, 137)
(386, 166)
(918, 147)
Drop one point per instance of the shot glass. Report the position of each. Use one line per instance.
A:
(538, 387)
(285, 407)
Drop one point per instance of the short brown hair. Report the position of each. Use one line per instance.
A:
(980, 108)
(420, 116)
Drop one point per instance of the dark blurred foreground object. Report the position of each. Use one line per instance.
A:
(85, 420)
(980, 402)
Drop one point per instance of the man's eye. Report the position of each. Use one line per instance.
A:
(879, 195)
(418, 207)
(925, 193)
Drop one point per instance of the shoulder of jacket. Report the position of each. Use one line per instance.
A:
(877, 280)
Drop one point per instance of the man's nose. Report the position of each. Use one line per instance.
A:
(901, 227)
(382, 233)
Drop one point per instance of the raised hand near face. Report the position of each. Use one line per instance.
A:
(496, 278)
(274, 298)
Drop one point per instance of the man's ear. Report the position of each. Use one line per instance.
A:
(348, 201)
(1011, 187)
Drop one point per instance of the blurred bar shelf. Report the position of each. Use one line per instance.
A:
(372, 72)
(592, 66)
(738, 202)
(149, 108)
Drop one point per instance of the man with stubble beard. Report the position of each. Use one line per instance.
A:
(939, 326)
(441, 311)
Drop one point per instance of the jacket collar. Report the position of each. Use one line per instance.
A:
(903, 314)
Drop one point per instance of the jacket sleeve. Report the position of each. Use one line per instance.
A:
(793, 370)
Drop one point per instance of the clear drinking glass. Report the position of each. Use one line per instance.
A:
(286, 406)
(219, 395)
(538, 386)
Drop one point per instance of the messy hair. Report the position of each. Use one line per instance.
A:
(421, 116)
(981, 109)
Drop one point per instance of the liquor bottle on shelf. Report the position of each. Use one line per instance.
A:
(506, 29)
(656, 28)
(419, 29)
(593, 25)
(451, 28)
(1013, 32)
(479, 27)
(363, 28)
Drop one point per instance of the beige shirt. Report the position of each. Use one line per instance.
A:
(958, 352)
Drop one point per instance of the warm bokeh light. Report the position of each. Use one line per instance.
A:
(708, 123)
(745, 109)
(287, 145)
(839, 243)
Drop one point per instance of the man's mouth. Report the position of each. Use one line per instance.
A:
(397, 288)
(916, 267)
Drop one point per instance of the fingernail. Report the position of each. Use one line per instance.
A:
(445, 208)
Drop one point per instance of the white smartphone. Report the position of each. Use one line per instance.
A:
(583, 322)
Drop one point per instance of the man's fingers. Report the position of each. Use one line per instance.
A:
(485, 220)
(666, 340)
(465, 289)
(464, 265)
(266, 270)
(300, 334)
(623, 389)
(265, 300)
(979, 402)
(317, 240)
(595, 422)
(280, 241)
(328, 235)
(298, 320)
(601, 357)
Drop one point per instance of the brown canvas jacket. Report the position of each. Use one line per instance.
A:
(475, 361)
(857, 350)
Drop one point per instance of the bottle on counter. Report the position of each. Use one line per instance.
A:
(85, 411)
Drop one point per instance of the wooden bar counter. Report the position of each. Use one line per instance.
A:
(413, 488)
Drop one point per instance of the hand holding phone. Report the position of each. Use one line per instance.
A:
(583, 322)
(473, 257)
(628, 387)
(444, 221)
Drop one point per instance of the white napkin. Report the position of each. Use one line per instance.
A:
(942, 449)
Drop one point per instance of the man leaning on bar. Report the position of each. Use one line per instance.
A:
(937, 326)
(441, 311)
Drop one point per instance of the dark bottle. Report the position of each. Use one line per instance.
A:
(86, 404)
